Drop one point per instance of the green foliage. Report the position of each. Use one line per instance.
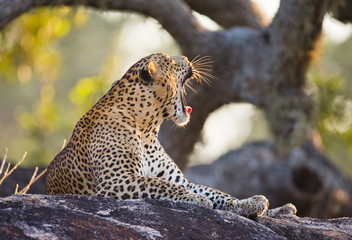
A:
(29, 53)
(329, 96)
(333, 119)
(28, 44)
(88, 90)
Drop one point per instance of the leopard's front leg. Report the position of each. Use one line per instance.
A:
(256, 205)
(133, 186)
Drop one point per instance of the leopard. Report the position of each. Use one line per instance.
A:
(114, 149)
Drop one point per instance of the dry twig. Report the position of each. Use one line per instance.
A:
(33, 180)
(8, 173)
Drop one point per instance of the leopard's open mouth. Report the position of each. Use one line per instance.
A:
(189, 76)
(183, 98)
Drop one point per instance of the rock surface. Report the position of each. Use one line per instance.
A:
(91, 217)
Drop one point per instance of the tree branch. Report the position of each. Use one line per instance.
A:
(294, 30)
(10, 9)
(343, 12)
(230, 13)
(175, 16)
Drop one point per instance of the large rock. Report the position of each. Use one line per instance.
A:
(91, 217)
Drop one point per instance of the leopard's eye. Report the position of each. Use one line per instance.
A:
(145, 75)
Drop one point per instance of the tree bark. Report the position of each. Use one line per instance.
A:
(230, 13)
(343, 11)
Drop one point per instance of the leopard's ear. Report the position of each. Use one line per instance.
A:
(148, 73)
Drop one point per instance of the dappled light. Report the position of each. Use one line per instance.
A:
(229, 128)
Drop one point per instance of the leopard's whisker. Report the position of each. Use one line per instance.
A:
(189, 85)
(207, 74)
(205, 67)
(199, 60)
(195, 59)
(202, 69)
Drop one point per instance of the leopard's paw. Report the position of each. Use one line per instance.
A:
(250, 207)
(288, 208)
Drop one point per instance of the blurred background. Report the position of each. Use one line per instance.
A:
(56, 63)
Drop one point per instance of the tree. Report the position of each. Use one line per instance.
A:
(256, 62)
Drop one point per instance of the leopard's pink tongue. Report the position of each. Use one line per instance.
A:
(188, 109)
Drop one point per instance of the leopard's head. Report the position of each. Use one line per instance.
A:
(159, 83)
(167, 76)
